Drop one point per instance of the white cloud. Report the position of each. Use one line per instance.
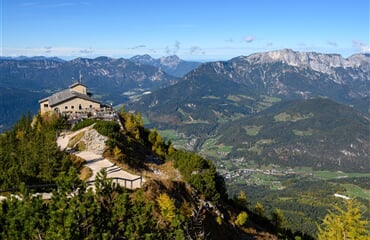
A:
(138, 47)
(174, 50)
(249, 39)
(177, 47)
(360, 46)
(196, 50)
(331, 43)
(87, 51)
(63, 52)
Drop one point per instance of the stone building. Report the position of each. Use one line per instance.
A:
(75, 99)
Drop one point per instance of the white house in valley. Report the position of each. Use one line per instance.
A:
(75, 99)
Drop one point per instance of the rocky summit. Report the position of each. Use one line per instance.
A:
(291, 74)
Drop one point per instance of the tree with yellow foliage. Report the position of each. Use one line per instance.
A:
(344, 223)
(241, 219)
(167, 207)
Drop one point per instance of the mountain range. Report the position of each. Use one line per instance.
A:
(212, 100)
(110, 80)
(289, 74)
(222, 91)
(209, 95)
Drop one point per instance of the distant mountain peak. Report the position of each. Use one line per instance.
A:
(320, 62)
(35, 58)
(170, 61)
(143, 59)
(361, 58)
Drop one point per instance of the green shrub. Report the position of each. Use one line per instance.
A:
(200, 173)
(108, 128)
(83, 124)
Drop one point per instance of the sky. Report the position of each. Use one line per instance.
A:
(191, 29)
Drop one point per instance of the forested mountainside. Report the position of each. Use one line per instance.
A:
(195, 206)
(192, 205)
(317, 133)
(10, 107)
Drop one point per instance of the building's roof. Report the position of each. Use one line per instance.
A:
(65, 95)
(76, 84)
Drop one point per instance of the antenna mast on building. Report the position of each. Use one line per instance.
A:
(80, 77)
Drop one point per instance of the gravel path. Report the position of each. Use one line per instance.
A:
(97, 162)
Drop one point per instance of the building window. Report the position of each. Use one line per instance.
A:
(90, 106)
(73, 107)
(79, 106)
(46, 105)
(66, 107)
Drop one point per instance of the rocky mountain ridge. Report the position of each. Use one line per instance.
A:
(291, 74)
(325, 63)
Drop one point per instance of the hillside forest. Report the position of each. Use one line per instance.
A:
(196, 206)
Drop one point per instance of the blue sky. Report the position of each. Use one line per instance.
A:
(192, 29)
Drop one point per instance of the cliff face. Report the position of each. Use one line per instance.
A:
(324, 63)
(287, 73)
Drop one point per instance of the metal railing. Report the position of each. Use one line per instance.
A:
(120, 180)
